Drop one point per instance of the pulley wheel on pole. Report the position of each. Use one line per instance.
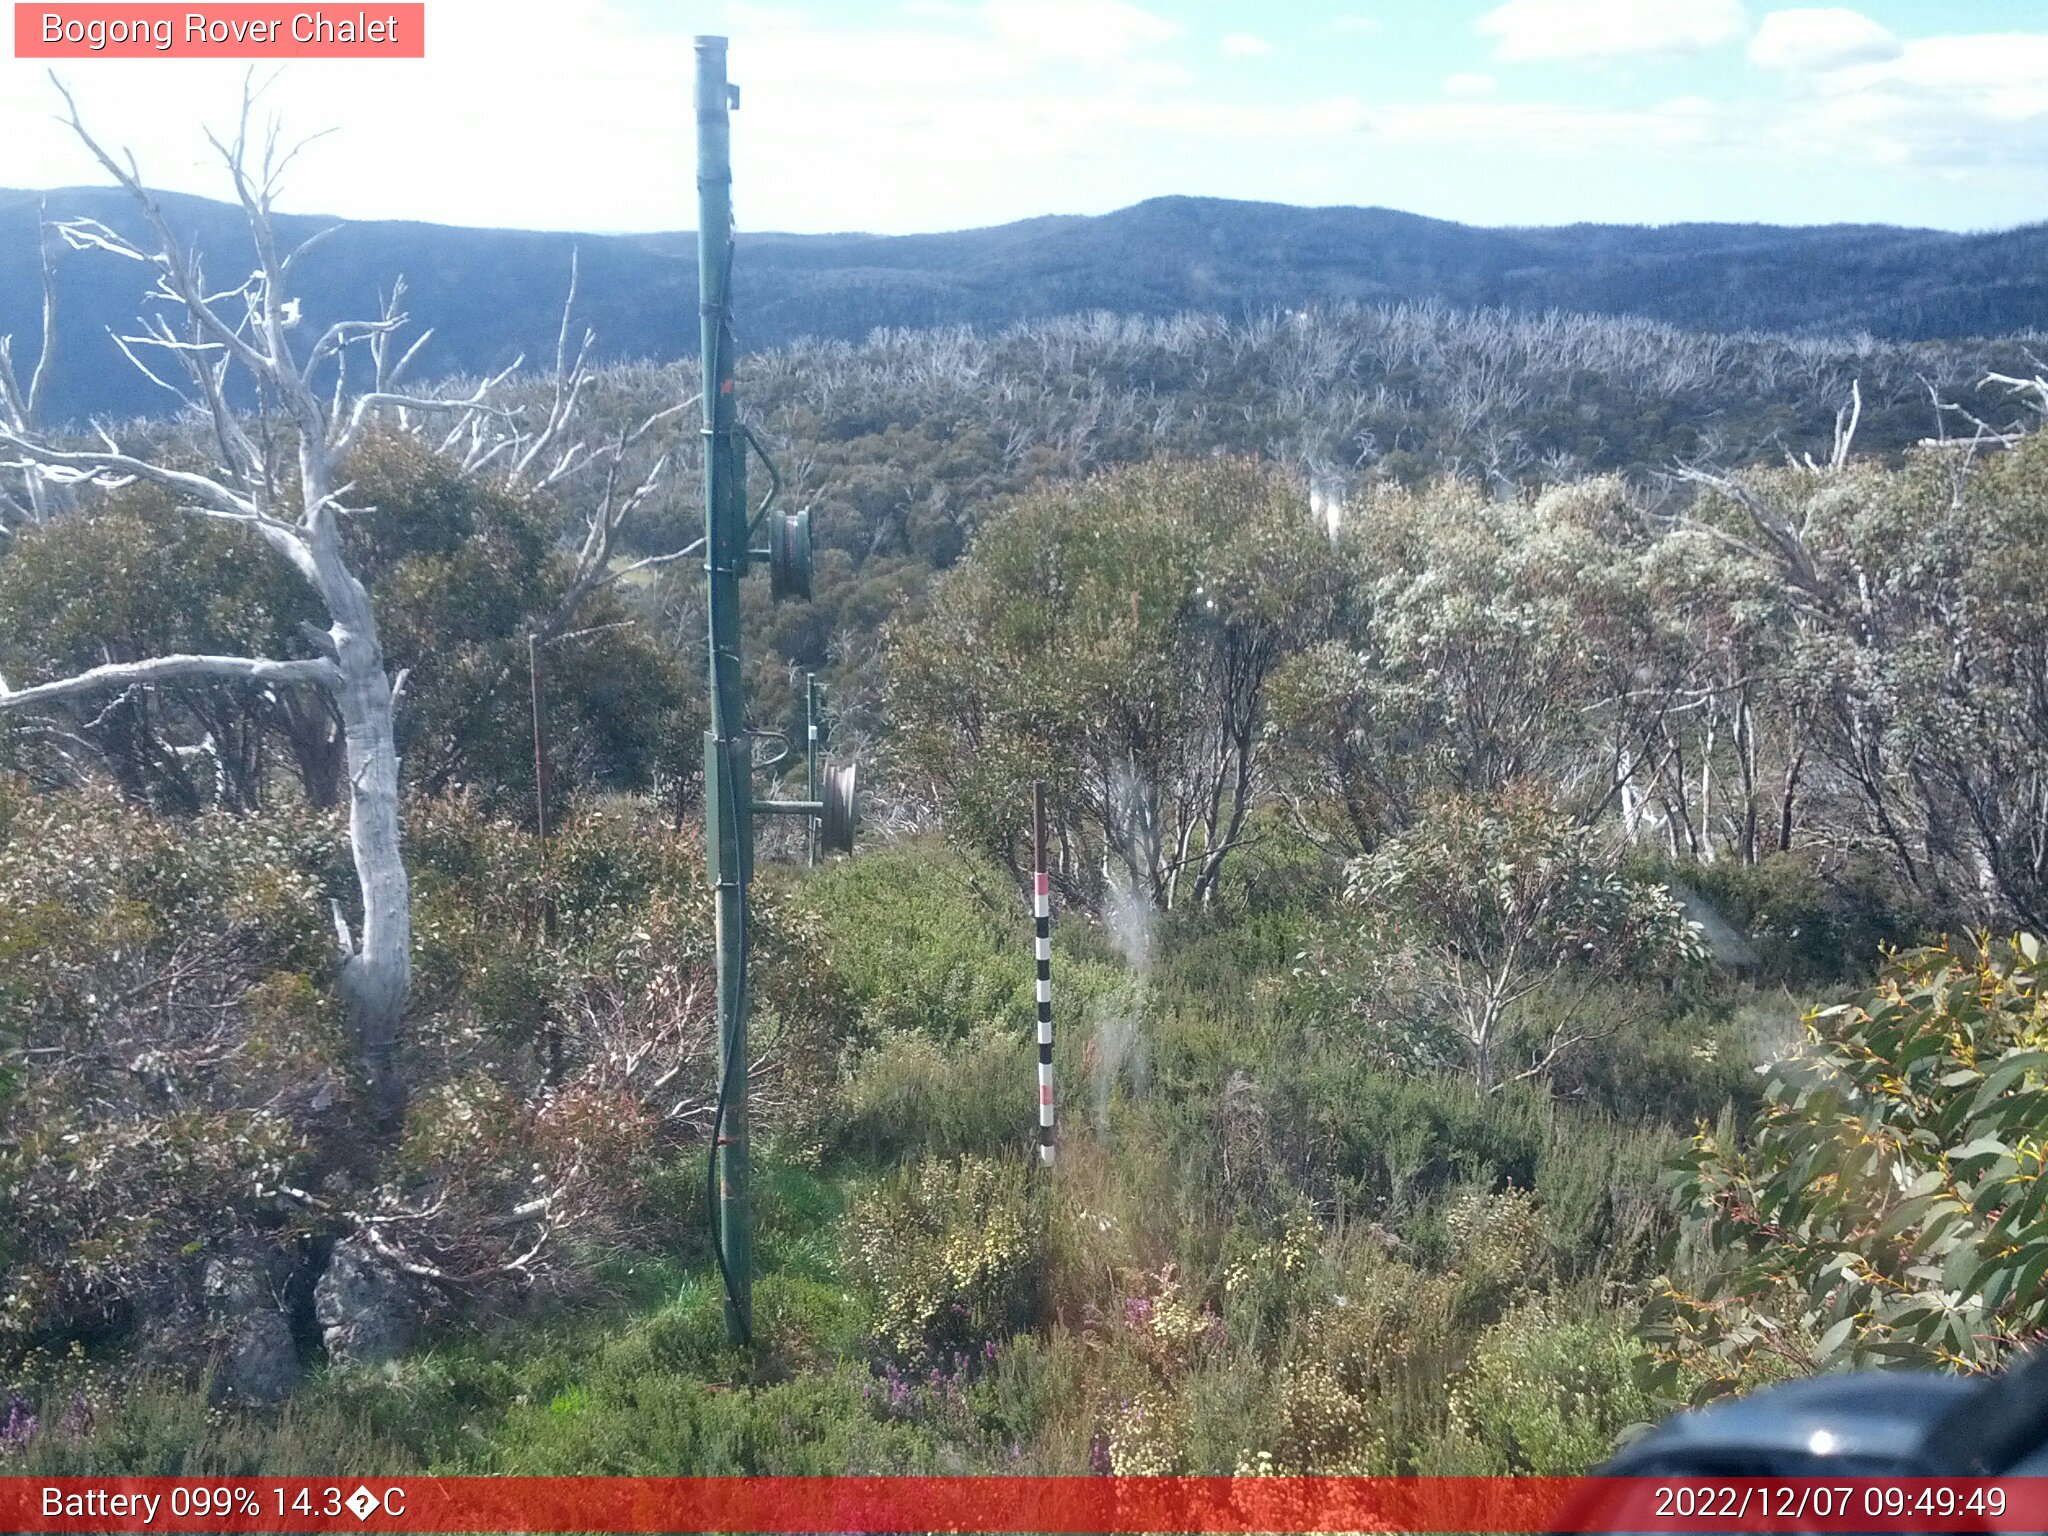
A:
(789, 554)
(839, 811)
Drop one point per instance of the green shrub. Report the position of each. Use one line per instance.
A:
(951, 1254)
(1268, 1284)
(1678, 1057)
(1392, 1334)
(1486, 908)
(1497, 1248)
(157, 1426)
(1811, 925)
(913, 1095)
(924, 943)
(797, 1209)
(1317, 1427)
(170, 989)
(1547, 1393)
(1396, 1142)
(1889, 1202)
(1600, 1183)
(1253, 924)
(685, 1337)
(617, 1424)
(1022, 1404)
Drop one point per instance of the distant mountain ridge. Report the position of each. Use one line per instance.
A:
(491, 295)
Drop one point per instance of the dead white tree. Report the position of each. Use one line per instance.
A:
(276, 471)
(21, 406)
(248, 327)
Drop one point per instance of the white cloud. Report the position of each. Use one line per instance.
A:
(1227, 124)
(1990, 75)
(1242, 45)
(923, 114)
(1958, 103)
(981, 90)
(1607, 29)
(1821, 38)
(1688, 122)
(1096, 32)
(990, 107)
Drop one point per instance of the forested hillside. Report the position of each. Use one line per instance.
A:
(494, 294)
(906, 443)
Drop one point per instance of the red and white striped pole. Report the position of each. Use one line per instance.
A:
(1041, 910)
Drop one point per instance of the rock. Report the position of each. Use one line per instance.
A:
(260, 1361)
(257, 1360)
(365, 1309)
(166, 1322)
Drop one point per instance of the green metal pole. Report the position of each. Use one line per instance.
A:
(728, 756)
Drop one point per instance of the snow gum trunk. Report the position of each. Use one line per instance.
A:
(376, 971)
(378, 974)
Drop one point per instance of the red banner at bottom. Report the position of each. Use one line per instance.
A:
(1021, 1504)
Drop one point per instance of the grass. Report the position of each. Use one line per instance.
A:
(1259, 1248)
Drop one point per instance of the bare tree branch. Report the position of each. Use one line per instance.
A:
(1789, 548)
(171, 669)
(23, 408)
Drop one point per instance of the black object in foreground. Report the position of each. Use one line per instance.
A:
(1878, 1423)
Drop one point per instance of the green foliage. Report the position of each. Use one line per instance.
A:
(1315, 1424)
(920, 945)
(1679, 1057)
(1481, 905)
(951, 1253)
(183, 1067)
(588, 1045)
(1394, 1142)
(1546, 1394)
(913, 1095)
(169, 988)
(1918, 691)
(1607, 1218)
(810, 1427)
(1116, 638)
(1297, 1240)
(643, 1395)
(1887, 1203)
(128, 577)
(462, 571)
(1811, 925)
(160, 1427)
(1795, 309)
(1483, 642)
(1496, 1244)
(1273, 1281)
(932, 956)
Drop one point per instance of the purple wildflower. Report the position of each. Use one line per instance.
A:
(78, 1418)
(1098, 1455)
(18, 1427)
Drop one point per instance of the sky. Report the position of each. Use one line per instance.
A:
(909, 115)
